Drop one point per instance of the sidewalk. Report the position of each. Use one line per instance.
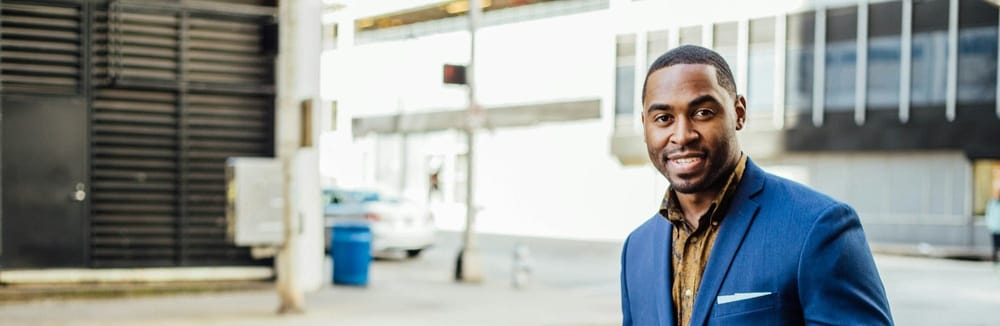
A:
(576, 285)
(573, 283)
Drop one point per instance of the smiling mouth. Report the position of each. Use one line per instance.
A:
(686, 163)
(684, 157)
(686, 160)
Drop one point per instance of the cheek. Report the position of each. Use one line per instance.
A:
(656, 137)
(723, 139)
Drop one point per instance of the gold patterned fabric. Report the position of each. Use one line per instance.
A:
(692, 246)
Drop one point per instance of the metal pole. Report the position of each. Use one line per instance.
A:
(951, 88)
(905, 57)
(467, 267)
(819, 67)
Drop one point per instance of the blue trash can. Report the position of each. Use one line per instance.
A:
(351, 250)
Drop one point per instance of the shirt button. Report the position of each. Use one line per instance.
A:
(687, 293)
(715, 223)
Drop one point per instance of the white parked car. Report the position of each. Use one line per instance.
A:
(397, 225)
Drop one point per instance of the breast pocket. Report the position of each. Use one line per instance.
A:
(746, 309)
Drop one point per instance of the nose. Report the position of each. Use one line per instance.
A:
(684, 132)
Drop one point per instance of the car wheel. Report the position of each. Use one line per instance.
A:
(413, 253)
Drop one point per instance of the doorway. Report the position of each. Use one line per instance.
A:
(44, 177)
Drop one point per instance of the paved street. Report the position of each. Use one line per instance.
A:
(574, 283)
(928, 291)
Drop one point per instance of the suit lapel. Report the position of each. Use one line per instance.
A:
(663, 277)
(734, 227)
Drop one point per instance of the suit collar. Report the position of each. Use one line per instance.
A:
(663, 274)
(734, 227)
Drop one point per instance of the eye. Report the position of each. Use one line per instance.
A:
(704, 114)
(663, 118)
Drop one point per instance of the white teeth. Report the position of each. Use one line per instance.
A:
(685, 160)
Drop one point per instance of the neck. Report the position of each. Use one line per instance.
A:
(695, 205)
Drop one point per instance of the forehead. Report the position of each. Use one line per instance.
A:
(674, 82)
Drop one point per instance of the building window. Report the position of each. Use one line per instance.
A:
(884, 48)
(724, 42)
(986, 180)
(841, 59)
(760, 70)
(657, 43)
(929, 57)
(690, 35)
(330, 37)
(799, 66)
(977, 55)
(624, 78)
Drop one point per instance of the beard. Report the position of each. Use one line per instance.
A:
(717, 166)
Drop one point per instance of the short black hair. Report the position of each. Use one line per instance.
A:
(693, 54)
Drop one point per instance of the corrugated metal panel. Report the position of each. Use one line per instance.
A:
(176, 88)
(225, 50)
(135, 182)
(218, 126)
(41, 47)
(177, 96)
(267, 3)
(137, 45)
(141, 44)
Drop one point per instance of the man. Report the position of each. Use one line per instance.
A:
(732, 244)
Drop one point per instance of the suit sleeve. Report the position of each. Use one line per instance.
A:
(626, 312)
(837, 277)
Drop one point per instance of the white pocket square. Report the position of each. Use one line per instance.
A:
(740, 296)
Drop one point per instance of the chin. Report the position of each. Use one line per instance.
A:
(687, 186)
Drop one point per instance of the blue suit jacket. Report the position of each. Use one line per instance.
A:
(806, 250)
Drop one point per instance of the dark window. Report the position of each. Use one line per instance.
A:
(330, 36)
(977, 54)
(799, 64)
(760, 66)
(625, 75)
(929, 55)
(884, 43)
(841, 59)
(657, 43)
(724, 42)
(690, 35)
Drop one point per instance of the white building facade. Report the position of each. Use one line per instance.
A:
(832, 104)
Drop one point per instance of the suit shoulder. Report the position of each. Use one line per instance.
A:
(651, 225)
(653, 228)
(796, 196)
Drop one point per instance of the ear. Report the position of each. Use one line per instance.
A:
(642, 116)
(741, 111)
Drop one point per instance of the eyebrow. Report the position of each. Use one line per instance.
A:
(695, 102)
(702, 100)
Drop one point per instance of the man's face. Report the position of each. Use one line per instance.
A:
(690, 124)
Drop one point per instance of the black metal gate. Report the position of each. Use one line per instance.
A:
(172, 89)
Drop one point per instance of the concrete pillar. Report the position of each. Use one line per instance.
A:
(297, 72)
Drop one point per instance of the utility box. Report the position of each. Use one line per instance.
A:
(254, 201)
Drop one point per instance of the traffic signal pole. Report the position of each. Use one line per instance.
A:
(467, 269)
